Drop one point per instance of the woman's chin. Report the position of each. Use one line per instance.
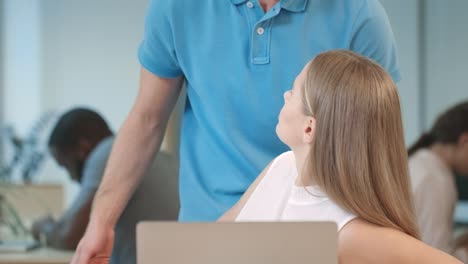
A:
(278, 134)
(277, 130)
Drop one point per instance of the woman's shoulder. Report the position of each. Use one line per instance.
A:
(284, 159)
(362, 242)
(285, 156)
(283, 165)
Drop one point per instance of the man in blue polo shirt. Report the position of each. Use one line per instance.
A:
(237, 57)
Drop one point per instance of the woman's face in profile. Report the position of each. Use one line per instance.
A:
(69, 161)
(461, 155)
(291, 119)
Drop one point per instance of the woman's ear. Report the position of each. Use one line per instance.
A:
(309, 131)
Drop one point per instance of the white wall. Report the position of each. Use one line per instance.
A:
(447, 57)
(90, 51)
(404, 18)
(2, 23)
(90, 58)
(22, 78)
(444, 74)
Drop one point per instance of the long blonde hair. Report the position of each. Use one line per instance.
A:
(358, 156)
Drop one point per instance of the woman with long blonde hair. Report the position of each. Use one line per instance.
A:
(434, 160)
(347, 164)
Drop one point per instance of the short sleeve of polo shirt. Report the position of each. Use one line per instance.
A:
(157, 50)
(373, 37)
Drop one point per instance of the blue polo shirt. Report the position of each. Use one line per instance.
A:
(238, 61)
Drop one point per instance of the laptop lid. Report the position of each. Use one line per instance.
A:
(234, 243)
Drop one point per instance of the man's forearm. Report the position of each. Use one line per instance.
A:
(132, 153)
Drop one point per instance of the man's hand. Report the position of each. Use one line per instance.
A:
(96, 246)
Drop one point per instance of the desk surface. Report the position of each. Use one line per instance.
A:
(37, 256)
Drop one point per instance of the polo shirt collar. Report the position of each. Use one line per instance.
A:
(290, 5)
(294, 5)
(237, 2)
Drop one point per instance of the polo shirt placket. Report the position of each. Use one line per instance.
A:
(261, 25)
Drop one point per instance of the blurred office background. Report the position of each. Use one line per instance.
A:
(57, 54)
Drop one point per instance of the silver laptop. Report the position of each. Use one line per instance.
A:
(235, 243)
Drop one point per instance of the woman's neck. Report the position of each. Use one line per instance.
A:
(301, 155)
(444, 152)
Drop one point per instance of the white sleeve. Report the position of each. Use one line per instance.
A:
(434, 212)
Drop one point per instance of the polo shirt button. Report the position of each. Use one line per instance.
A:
(250, 4)
(260, 31)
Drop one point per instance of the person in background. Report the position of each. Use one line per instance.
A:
(433, 161)
(237, 57)
(81, 142)
(347, 164)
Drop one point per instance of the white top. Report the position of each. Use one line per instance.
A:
(435, 197)
(276, 198)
